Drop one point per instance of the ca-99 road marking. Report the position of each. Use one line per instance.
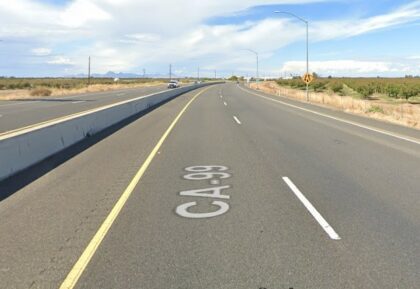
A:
(214, 174)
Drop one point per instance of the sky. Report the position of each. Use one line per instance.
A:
(40, 38)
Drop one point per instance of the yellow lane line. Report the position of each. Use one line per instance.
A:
(81, 264)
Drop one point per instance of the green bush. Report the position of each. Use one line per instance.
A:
(376, 108)
(319, 85)
(336, 86)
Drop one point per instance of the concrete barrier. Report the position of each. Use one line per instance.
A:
(21, 149)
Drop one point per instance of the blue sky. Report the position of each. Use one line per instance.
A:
(347, 38)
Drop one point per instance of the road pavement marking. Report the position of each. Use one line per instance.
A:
(339, 119)
(324, 224)
(221, 96)
(78, 101)
(81, 264)
(199, 173)
(225, 103)
(236, 119)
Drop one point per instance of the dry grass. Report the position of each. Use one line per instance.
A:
(29, 93)
(40, 92)
(401, 113)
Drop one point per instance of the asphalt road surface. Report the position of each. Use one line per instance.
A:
(21, 113)
(225, 189)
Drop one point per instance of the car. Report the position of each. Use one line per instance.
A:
(173, 84)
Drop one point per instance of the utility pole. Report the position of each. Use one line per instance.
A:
(198, 73)
(89, 72)
(170, 71)
(307, 45)
(215, 74)
(144, 73)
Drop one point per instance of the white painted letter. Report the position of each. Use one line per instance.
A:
(215, 193)
(182, 210)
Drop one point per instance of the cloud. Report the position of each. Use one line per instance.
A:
(347, 67)
(81, 12)
(324, 30)
(126, 35)
(40, 51)
(140, 37)
(60, 60)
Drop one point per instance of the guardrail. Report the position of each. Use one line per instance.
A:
(22, 148)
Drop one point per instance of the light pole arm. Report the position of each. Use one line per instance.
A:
(291, 14)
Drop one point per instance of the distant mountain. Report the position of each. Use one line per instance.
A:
(111, 74)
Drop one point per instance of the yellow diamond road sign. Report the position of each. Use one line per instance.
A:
(307, 78)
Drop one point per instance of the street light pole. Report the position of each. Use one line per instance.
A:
(307, 59)
(258, 73)
(307, 44)
(88, 72)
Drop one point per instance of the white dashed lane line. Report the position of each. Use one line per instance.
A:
(236, 119)
(314, 212)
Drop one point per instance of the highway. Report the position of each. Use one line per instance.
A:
(21, 113)
(221, 187)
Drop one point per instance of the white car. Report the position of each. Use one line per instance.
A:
(173, 84)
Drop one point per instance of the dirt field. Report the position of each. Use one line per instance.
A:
(400, 113)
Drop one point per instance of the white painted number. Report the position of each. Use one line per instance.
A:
(206, 168)
(206, 176)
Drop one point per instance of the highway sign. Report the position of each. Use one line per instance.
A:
(307, 78)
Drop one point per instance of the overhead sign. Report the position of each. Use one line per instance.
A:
(307, 78)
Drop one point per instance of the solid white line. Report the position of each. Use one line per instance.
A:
(324, 224)
(236, 119)
(225, 103)
(78, 101)
(340, 119)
